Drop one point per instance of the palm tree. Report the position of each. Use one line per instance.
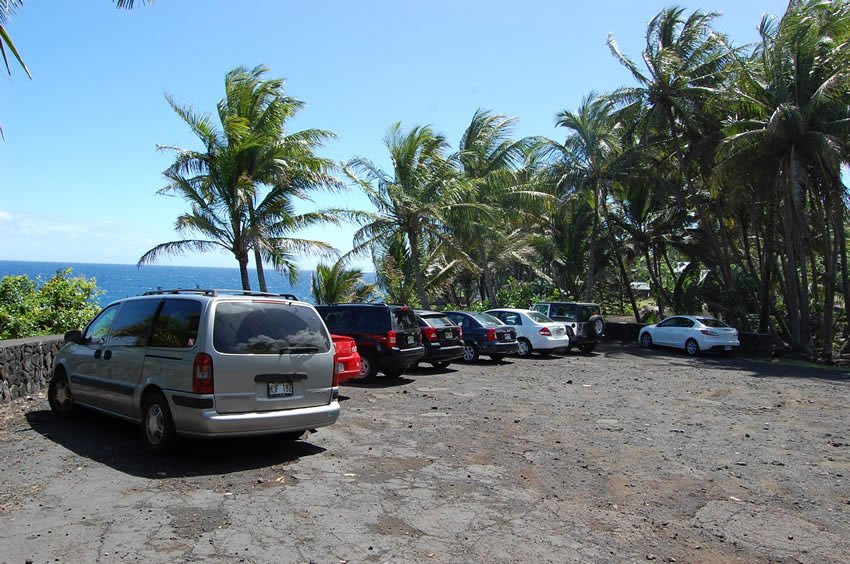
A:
(338, 284)
(590, 159)
(796, 90)
(223, 182)
(411, 202)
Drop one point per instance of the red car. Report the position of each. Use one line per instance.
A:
(346, 359)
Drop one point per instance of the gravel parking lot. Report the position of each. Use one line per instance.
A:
(622, 455)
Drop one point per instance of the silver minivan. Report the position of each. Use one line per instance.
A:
(201, 363)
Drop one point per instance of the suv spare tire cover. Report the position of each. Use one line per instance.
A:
(596, 326)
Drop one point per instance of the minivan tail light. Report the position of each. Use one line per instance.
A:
(491, 334)
(545, 332)
(430, 334)
(202, 374)
(391, 338)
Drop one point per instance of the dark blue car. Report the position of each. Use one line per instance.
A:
(484, 334)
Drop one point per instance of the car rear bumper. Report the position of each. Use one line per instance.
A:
(542, 344)
(441, 353)
(497, 347)
(210, 423)
(399, 359)
(721, 345)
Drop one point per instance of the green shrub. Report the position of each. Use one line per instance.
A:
(35, 307)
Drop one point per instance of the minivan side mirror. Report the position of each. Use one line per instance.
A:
(74, 336)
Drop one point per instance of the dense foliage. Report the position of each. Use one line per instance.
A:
(36, 307)
(716, 176)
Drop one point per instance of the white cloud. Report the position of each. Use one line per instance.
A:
(5, 216)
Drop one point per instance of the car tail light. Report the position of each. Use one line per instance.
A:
(430, 334)
(491, 334)
(202, 374)
(338, 367)
(545, 332)
(709, 332)
(391, 338)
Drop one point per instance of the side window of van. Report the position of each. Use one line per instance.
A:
(177, 324)
(98, 329)
(133, 324)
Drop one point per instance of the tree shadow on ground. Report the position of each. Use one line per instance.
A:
(748, 366)
(118, 444)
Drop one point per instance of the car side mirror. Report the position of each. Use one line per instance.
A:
(74, 336)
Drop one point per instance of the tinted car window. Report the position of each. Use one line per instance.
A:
(98, 329)
(268, 328)
(486, 320)
(177, 324)
(438, 321)
(586, 312)
(133, 324)
(542, 308)
(460, 320)
(404, 319)
(509, 317)
(563, 310)
(669, 322)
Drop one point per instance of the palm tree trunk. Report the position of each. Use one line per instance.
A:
(594, 235)
(243, 270)
(767, 260)
(627, 283)
(261, 276)
(830, 249)
(418, 279)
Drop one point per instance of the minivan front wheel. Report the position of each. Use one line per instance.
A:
(59, 395)
(158, 432)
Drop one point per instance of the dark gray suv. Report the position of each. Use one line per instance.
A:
(206, 363)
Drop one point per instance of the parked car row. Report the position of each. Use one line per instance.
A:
(231, 363)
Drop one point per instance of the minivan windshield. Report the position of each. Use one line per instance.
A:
(268, 327)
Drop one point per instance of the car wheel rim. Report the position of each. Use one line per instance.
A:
(468, 353)
(522, 348)
(155, 424)
(364, 368)
(62, 394)
(644, 340)
(692, 347)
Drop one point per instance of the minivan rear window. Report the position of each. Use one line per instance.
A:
(266, 327)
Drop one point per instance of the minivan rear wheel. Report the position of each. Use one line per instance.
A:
(158, 432)
(59, 395)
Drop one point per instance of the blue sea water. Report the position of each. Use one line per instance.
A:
(122, 280)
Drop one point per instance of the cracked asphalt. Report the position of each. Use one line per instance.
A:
(622, 455)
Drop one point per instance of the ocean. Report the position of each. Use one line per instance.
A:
(123, 280)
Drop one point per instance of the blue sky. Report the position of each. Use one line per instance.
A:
(79, 167)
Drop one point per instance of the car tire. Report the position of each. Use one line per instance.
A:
(572, 337)
(440, 365)
(587, 348)
(646, 340)
(368, 367)
(497, 357)
(470, 351)
(524, 347)
(396, 373)
(692, 347)
(59, 395)
(595, 326)
(158, 432)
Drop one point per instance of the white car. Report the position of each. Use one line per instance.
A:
(535, 331)
(693, 333)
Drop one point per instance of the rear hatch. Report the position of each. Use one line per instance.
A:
(270, 355)
(406, 328)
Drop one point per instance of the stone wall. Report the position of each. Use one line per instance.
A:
(25, 365)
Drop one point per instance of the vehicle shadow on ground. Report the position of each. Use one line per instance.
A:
(753, 367)
(118, 444)
(379, 382)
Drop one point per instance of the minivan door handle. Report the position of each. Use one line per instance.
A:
(97, 353)
(107, 355)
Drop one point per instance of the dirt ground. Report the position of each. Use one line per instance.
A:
(622, 455)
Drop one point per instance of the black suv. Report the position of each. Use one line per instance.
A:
(583, 321)
(442, 338)
(387, 335)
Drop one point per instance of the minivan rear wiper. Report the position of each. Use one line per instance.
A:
(299, 349)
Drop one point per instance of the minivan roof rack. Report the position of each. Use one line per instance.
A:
(218, 292)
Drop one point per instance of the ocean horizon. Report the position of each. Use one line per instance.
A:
(124, 280)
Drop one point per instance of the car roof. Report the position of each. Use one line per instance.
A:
(570, 303)
(510, 309)
(428, 312)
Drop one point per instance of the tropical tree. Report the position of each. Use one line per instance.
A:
(338, 284)
(411, 202)
(241, 186)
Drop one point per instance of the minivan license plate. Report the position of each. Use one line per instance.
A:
(279, 389)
